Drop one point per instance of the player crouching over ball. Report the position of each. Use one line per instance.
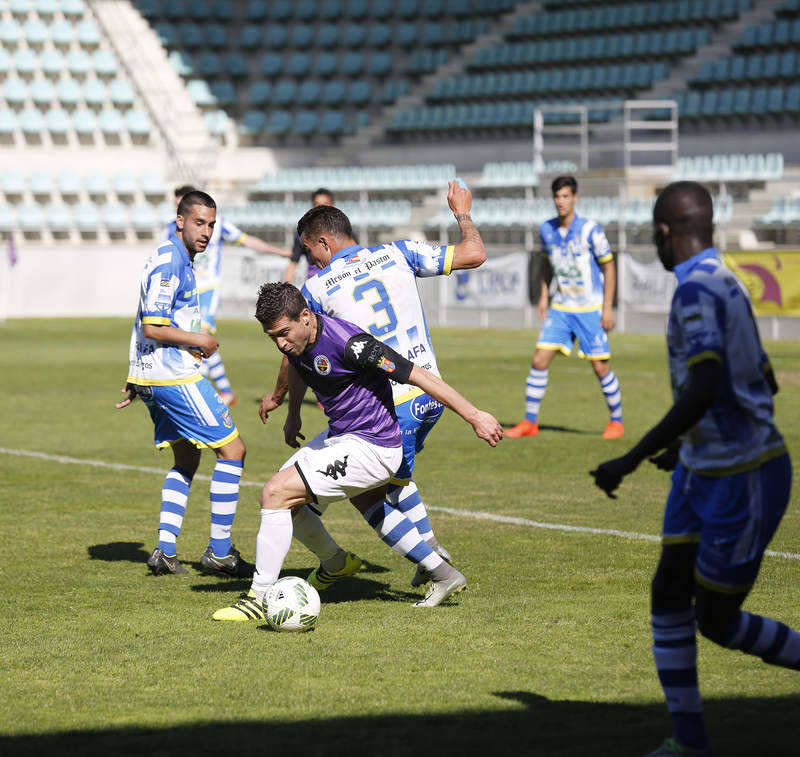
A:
(355, 458)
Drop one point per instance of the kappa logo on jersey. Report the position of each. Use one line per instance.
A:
(357, 347)
(335, 469)
(386, 365)
(322, 365)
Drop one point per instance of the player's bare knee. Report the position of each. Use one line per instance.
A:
(601, 368)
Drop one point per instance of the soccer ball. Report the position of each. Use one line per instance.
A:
(292, 604)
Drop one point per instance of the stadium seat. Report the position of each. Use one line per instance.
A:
(279, 123)
(253, 122)
(35, 32)
(260, 92)
(125, 184)
(52, 62)
(10, 32)
(325, 64)
(97, 184)
(250, 37)
(301, 36)
(332, 122)
(137, 122)
(271, 64)
(30, 217)
(216, 36)
(42, 92)
(13, 183)
(327, 36)
(143, 218)
(84, 121)
(41, 184)
(58, 217)
(88, 33)
(207, 64)
(309, 92)
(78, 62)
(69, 184)
(200, 92)
(121, 92)
(26, 62)
(354, 35)
(224, 92)
(8, 217)
(360, 92)
(8, 122)
(182, 62)
(331, 10)
(333, 92)
(14, 91)
(217, 122)
(110, 122)
(305, 122)
(256, 10)
(94, 92)
(58, 121)
(153, 184)
(298, 64)
(380, 63)
(276, 36)
(115, 217)
(87, 217)
(284, 92)
(235, 65)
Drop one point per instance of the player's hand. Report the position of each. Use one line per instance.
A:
(291, 432)
(486, 427)
(666, 460)
(609, 475)
(130, 390)
(607, 319)
(268, 404)
(458, 198)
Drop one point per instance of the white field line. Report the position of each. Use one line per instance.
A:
(475, 514)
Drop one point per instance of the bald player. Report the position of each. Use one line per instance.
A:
(732, 474)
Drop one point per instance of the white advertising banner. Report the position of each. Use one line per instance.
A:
(498, 283)
(244, 271)
(645, 287)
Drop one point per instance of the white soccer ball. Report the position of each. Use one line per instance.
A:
(292, 604)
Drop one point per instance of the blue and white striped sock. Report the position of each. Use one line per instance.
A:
(766, 638)
(408, 501)
(396, 530)
(675, 654)
(535, 387)
(224, 498)
(217, 374)
(611, 391)
(174, 495)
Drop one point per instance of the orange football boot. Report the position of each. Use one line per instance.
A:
(614, 430)
(523, 428)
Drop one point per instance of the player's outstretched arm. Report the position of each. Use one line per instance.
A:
(275, 398)
(704, 380)
(297, 390)
(470, 252)
(265, 248)
(607, 318)
(485, 425)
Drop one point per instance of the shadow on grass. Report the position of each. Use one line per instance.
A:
(119, 551)
(535, 726)
(559, 429)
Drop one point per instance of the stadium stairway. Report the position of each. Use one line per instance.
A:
(724, 37)
(182, 127)
(355, 146)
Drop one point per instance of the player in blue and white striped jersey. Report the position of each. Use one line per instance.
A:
(208, 272)
(576, 251)
(732, 474)
(166, 348)
(376, 289)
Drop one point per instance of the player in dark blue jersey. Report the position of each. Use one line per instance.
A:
(349, 371)
(732, 473)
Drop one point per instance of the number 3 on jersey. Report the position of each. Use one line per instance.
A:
(382, 303)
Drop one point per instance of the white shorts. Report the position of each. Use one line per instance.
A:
(341, 467)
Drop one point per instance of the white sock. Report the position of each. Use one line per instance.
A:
(312, 534)
(272, 545)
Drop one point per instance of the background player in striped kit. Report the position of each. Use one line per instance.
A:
(208, 273)
(732, 473)
(576, 252)
(166, 347)
(376, 289)
(356, 457)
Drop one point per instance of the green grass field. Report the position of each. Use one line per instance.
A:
(547, 653)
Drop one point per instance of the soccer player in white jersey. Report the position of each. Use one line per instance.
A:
(732, 474)
(208, 272)
(577, 253)
(376, 289)
(166, 348)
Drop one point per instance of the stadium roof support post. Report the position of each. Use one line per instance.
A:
(647, 116)
(540, 128)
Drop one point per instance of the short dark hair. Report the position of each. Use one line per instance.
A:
(325, 219)
(277, 299)
(321, 191)
(195, 197)
(184, 189)
(564, 181)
